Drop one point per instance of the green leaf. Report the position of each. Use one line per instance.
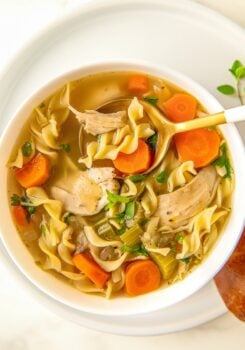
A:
(137, 178)
(226, 89)
(136, 249)
(186, 260)
(121, 231)
(27, 149)
(114, 199)
(179, 238)
(15, 199)
(223, 161)
(130, 210)
(236, 64)
(162, 177)
(152, 141)
(152, 100)
(66, 147)
(240, 73)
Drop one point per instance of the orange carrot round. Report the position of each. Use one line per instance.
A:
(138, 84)
(200, 145)
(141, 277)
(33, 173)
(136, 162)
(91, 269)
(180, 107)
(20, 216)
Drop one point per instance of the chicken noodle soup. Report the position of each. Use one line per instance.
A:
(86, 205)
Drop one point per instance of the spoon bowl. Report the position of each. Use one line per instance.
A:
(166, 129)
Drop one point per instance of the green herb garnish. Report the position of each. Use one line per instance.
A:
(136, 249)
(162, 177)
(66, 147)
(238, 71)
(152, 100)
(43, 229)
(114, 198)
(26, 149)
(25, 202)
(137, 178)
(67, 218)
(223, 161)
(130, 210)
(152, 141)
(226, 89)
(121, 231)
(143, 222)
(179, 238)
(15, 200)
(186, 260)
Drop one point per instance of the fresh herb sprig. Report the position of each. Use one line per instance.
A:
(223, 161)
(114, 199)
(238, 72)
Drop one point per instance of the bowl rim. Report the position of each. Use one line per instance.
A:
(144, 303)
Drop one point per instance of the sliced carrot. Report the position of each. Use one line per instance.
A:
(136, 162)
(180, 107)
(138, 84)
(141, 277)
(33, 173)
(20, 216)
(91, 269)
(200, 145)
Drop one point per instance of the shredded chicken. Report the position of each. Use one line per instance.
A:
(84, 192)
(96, 123)
(174, 209)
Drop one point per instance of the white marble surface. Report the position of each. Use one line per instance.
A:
(24, 324)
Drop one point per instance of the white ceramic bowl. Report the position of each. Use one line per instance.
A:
(160, 298)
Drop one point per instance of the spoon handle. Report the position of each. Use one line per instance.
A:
(231, 115)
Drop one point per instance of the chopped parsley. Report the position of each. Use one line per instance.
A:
(152, 141)
(114, 198)
(121, 231)
(136, 249)
(223, 161)
(162, 177)
(27, 149)
(143, 222)
(25, 202)
(186, 260)
(152, 100)
(137, 178)
(66, 147)
(179, 238)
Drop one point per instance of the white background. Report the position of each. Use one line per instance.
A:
(26, 325)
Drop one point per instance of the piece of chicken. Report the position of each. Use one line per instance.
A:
(84, 192)
(96, 123)
(174, 209)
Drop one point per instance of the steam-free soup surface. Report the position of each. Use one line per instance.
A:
(84, 202)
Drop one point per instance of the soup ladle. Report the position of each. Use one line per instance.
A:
(167, 129)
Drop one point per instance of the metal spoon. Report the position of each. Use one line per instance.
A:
(166, 129)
